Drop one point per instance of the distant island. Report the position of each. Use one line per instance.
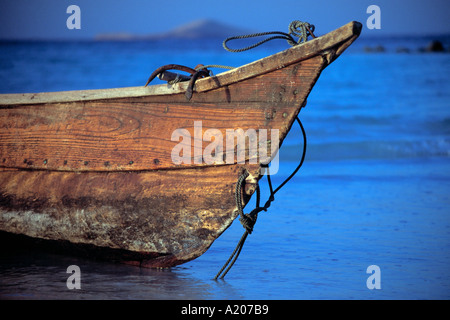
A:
(211, 29)
(199, 29)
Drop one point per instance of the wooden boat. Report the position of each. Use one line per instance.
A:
(94, 168)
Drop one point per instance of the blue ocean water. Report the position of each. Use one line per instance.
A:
(374, 188)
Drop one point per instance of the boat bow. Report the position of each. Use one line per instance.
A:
(95, 167)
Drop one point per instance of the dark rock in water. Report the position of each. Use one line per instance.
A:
(403, 50)
(435, 46)
(376, 49)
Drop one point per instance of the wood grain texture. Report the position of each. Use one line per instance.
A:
(337, 40)
(155, 213)
(95, 167)
(133, 134)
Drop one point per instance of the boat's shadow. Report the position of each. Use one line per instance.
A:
(35, 272)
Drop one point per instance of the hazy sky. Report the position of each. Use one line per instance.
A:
(46, 19)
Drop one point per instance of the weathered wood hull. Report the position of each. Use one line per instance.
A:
(167, 216)
(96, 167)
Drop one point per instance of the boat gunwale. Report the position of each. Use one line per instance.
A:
(276, 61)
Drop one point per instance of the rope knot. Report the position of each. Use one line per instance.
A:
(302, 30)
(248, 221)
(268, 202)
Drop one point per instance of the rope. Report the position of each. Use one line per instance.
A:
(297, 28)
(301, 30)
(214, 66)
(201, 71)
(248, 220)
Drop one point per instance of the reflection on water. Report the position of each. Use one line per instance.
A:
(27, 272)
(41, 275)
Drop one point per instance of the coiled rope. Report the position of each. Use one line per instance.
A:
(248, 220)
(299, 29)
(296, 28)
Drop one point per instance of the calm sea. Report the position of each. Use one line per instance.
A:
(374, 188)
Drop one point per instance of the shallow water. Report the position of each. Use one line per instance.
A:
(315, 242)
(374, 188)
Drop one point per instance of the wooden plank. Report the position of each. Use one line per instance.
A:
(133, 134)
(156, 213)
(279, 60)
